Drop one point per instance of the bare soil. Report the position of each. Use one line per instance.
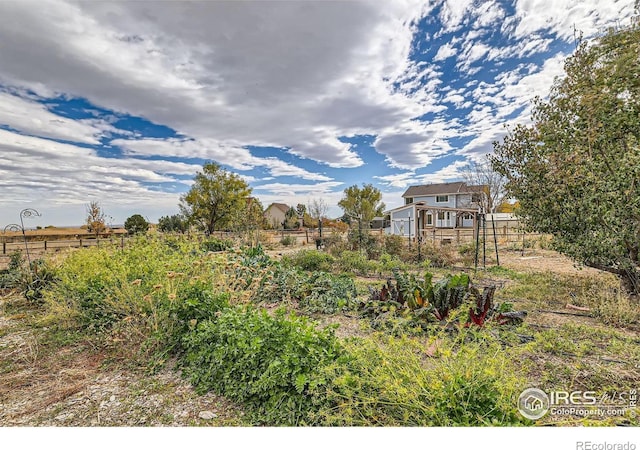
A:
(75, 385)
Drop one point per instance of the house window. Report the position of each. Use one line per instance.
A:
(476, 198)
(429, 219)
(467, 216)
(408, 201)
(441, 215)
(442, 199)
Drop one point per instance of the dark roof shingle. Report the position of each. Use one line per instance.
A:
(456, 187)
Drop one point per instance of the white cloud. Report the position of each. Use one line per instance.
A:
(453, 171)
(28, 116)
(262, 73)
(298, 189)
(232, 155)
(295, 76)
(445, 51)
(561, 16)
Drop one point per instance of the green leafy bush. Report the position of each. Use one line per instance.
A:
(310, 260)
(314, 292)
(284, 285)
(97, 287)
(216, 245)
(355, 263)
(328, 294)
(269, 363)
(9, 278)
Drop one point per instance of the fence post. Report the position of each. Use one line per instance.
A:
(80, 242)
(4, 248)
(45, 246)
(122, 241)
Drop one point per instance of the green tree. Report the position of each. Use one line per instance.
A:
(291, 219)
(576, 170)
(252, 216)
(363, 204)
(136, 224)
(215, 199)
(176, 223)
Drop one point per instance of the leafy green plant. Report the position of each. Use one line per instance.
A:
(216, 245)
(448, 294)
(283, 285)
(9, 277)
(29, 281)
(255, 257)
(355, 263)
(310, 260)
(393, 244)
(269, 363)
(328, 294)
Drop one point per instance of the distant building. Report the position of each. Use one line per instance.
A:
(379, 222)
(275, 214)
(433, 206)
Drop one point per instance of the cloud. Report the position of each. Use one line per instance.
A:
(563, 17)
(261, 73)
(57, 173)
(284, 189)
(445, 51)
(453, 171)
(298, 77)
(232, 155)
(31, 117)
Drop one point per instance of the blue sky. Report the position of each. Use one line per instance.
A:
(122, 102)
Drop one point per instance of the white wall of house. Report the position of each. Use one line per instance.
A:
(274, 216)
(431, 200)
(403, 221)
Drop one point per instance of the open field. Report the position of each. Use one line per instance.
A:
(84, 356)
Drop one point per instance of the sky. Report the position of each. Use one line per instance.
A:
(123, 102)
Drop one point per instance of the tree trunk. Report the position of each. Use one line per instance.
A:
(630, 283)
(629, 278)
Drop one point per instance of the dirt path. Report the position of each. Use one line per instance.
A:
(543, 261)
(74, 385)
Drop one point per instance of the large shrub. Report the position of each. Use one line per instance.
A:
(310, 260)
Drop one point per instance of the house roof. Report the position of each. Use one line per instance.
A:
(457, 187)
(281, 206)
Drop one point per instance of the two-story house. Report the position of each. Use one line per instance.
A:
(432, 206)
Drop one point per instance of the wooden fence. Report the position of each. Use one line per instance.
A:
(58, 244)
